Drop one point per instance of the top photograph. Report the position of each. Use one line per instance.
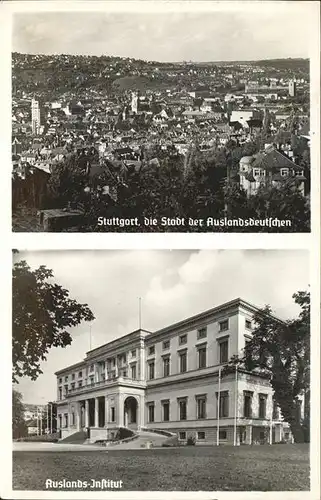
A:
(167, 121)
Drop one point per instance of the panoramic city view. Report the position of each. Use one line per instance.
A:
(177, 139)
(163, 386)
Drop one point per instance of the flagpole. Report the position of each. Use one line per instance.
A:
(140, 312)
(51, 418)
(236, 406)
(90, 337)
(218, 407)
(47, 426)
(271, 424)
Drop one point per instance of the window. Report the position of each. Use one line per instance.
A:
(66, 378)
(60, 393)
(202, 357)
(183, 362)
(124, 373)
(134, 375)
(201, 406)
(72, 385)
(165, 405)
(151, 370)
(222, 435)
(60, 381)
(224, 403)
(200, 435)
(66, 419)
(112, 414)
(151, 350)
(60, 421)
(66, 389)
(202, 333)
(73, 376)
(247, 341)
(256, 172)
(166, 366)
(182, 339)
(73, 420)
(166, 344)
(92, 381)
(80, 383)
(182, 435)
(223, 351)
(134, 353)
(182, 409)
(248, 324)
(262, 405)
(80, 375)
(114, 362)
(151, 412)
(284, 172)
(223, 325)
(91, 368)
(275, 414)
(247, 404)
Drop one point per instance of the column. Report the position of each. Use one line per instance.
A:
(96, 412)
(120, 413)
(142, 362)
(248, 434)
(106, 411)
(138, 412)
(78, 415)
(87, 413)
(278, 433)
(141, 411)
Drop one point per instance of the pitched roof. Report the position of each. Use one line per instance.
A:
(272, 159)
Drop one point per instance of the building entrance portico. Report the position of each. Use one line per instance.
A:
(131, 412)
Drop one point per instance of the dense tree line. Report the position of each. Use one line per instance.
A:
(200, 186)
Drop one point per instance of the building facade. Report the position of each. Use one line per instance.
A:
(173, 380)
(270, 167)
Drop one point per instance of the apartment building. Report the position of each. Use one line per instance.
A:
(173, 380)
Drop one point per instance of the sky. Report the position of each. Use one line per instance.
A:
(173, 285)
(261, 32)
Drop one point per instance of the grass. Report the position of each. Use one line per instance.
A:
(257, 468)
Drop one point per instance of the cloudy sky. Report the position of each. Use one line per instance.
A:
(173, 285)
(256, 32)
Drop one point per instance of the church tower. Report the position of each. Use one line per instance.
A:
(134, 104)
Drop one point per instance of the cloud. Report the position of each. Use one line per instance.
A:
(175, 36)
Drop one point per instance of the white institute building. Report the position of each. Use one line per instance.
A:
(172, 380)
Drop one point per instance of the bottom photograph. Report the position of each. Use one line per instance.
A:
(161, 370)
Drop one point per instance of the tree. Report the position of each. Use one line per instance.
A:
(284, 202)
(281, 350)
(19, 427)
(42, 314)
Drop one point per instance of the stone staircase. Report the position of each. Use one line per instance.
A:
(78, 437)
(144, 440)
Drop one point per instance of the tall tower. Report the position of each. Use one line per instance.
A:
(292, 88)
(134, 105)
(35, 116)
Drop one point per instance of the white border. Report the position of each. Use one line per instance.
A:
(156, 241)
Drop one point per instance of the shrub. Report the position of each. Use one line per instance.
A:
(123, 433)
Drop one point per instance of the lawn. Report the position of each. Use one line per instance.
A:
(227, 468)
